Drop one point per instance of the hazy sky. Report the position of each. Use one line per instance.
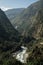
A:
(9, 4)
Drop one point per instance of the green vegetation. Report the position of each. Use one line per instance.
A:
(36, 56)
(30, 25)
(6, 29)
(27, 20)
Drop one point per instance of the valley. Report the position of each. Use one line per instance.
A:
(21, 35)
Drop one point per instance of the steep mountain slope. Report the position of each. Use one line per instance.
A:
(36, 56)
(24, 20)
(9, 39)
(6, 29)
(12, 13)
(28, 19)
(37, 29)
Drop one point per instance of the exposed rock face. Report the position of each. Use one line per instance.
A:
(38, 25)
(21, 55)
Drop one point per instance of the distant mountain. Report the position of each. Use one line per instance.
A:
(7, 31)
(28, 19)
(12, 13)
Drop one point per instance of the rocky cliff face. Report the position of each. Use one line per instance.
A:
(37, 29)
